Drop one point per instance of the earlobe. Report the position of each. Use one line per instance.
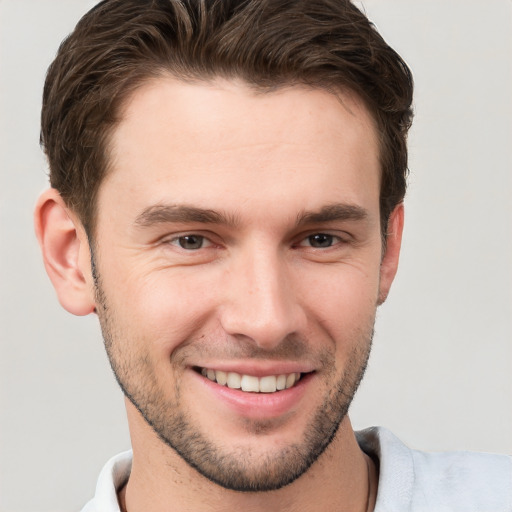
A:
(65, 250)
(389, 263)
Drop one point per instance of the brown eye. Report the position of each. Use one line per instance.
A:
(321, 240)
(191, 242)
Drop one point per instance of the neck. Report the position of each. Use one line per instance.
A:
(342, 479)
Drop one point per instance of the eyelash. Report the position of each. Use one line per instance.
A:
(203, 242)
(333, 239)
(177, 241)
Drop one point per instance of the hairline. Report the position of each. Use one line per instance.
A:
(160, 72)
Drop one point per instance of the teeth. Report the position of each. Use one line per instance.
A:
(234, 380)
(268, 384)
(281, 382)
(290, 380)
(222, 377)
(249, 383)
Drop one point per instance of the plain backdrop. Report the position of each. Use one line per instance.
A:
(441, 372)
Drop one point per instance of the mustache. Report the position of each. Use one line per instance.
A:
(291, 348)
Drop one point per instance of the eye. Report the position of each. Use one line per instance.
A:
(191, 242)
(320, 241)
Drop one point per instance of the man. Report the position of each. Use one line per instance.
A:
(227, 185)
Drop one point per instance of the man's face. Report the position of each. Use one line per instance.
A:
(238, 240)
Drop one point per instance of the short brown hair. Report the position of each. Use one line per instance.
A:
(120, 44)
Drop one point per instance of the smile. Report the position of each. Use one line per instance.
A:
(250, 383)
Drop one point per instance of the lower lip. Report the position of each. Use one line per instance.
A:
(259, 405)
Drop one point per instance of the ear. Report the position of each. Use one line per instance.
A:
(66, 255)
(389, 263)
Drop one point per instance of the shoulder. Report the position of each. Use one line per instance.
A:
(445, 481)
(463, 481)
(113, 476)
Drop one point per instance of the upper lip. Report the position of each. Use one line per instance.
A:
(258, 369)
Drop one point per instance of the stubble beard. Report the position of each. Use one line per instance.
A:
(237, 468)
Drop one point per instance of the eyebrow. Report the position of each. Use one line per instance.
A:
(333, 212)
(169, 213)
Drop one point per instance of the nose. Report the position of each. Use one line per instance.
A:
(261, 301)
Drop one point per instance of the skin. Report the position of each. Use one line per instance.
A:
(255, 293)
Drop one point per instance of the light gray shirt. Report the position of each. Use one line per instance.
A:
(409, 480)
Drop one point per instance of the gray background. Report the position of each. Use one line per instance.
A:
(440, 376)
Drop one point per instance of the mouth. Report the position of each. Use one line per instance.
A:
(251, 383)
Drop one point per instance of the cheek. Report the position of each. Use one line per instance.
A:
(341, 308)
(344, 295)
(166, 308)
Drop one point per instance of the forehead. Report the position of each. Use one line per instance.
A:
(202, 141)
(212, 108)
